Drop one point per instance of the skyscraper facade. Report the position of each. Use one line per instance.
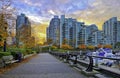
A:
(97, 37)
(53, 31)
(111, 29)
(91, 34)
(78, 30)
(23, 30)
(69, 31)
(118, 31)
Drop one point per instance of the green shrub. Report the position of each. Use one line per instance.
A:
(33, 52)
(24, 51)
(45, 48)
(13, 54)
(15, 50)
(36, 49)
(4, 54)
(28, 51)
(62, 50)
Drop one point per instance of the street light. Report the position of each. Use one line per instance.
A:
(4, 47)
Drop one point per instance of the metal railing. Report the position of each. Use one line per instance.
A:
(90, 64)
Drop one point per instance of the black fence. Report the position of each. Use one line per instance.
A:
(90, 65)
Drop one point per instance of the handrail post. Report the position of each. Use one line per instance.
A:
(75, 61)
(90, 66)
(67, 57)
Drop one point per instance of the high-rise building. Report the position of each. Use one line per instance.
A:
(65, 32)
(53, 30)
(96, 38)
(118, 31)
(90, 34)
(111, 29)
(62, 20)
(69, 31)
(23, 30)
(22, 20)
(78, 30)
(82, 35)
(65, 29)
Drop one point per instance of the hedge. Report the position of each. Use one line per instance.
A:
(22, 50)
(4, 54)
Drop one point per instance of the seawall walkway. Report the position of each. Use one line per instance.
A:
(43, 66)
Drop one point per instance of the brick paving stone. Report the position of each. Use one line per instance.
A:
(43, 66)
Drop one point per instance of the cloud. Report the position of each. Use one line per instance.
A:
(51, 12)
(90, 11)
(61, 6)
(104, 9)
(35, 18)
(98, 12)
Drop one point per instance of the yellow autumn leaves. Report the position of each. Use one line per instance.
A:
(3, 29)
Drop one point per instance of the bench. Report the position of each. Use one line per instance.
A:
(1, 63)
(8, 60)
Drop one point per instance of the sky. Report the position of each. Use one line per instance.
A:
(40, 12)
(88, 11)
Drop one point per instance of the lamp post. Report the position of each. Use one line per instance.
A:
(4, 46)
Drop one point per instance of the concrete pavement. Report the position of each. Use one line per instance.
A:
(43, 66)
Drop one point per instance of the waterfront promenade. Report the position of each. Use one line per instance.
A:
(43, 65)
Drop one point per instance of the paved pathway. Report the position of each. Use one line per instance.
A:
(43, 66)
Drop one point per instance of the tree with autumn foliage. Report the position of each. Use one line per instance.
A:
(25, 39)
(3, 31)
(64, 41)
(90, 47)
(53, 47)
(107, 46)
(99, 46)
(82, 47)
(66, 47)
(29, 42)
(3, 27)
(5, 16)
(49, 41)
